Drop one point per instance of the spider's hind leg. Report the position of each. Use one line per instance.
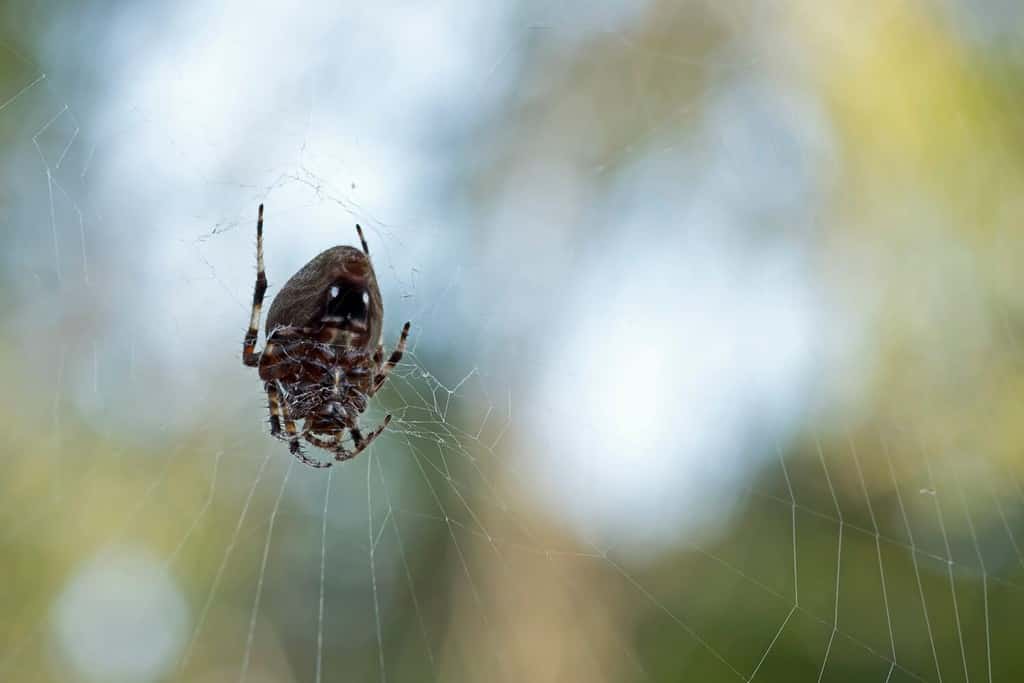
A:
(366, 249)
(249, 355)
(393, 360)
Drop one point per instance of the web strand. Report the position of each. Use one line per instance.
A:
(250, 638)
(323, 568)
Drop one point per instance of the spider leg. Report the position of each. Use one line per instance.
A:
(249, 355)
(366, 249)
(328, 444)
(341, 454)
(294, 445)
(275, 409)
(296, 450)
(396, 356)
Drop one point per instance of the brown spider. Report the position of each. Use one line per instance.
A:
(324, 357)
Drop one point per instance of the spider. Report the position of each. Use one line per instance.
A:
(323, 358)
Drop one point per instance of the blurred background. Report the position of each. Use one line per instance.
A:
(717, 362)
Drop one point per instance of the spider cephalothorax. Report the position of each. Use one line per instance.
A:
(324, 357)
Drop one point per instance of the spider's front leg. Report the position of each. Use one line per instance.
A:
(279, 411)
(249, 355)
(360, 443)
(328, 444)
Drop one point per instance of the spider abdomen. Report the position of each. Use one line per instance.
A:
(335, 296)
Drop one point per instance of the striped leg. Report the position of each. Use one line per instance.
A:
(396, 356)
(280, 406)
(275, 409)
(249, 355)
(326, 444)
(360, 444)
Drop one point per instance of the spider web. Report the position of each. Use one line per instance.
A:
(691, 394)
